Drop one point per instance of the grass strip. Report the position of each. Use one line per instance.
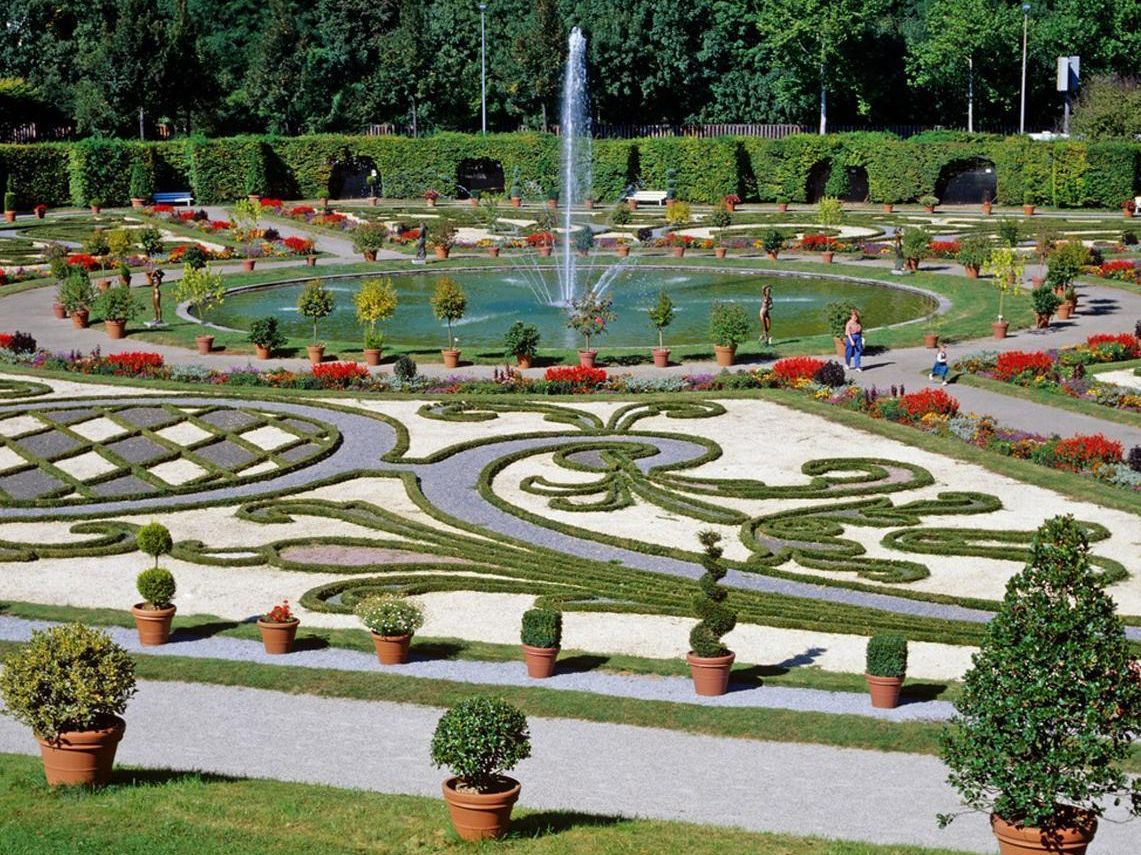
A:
(1053, 399)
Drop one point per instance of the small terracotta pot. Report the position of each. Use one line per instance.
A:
(278, 637)
(999, 328)
(316, 353)
(1041, 321)
(884, 691)
(540, 661)
(516, 202)
(782, 207)
(95, 209)
(431, 202)
(661, 357)
(369, 255)
(125, 280)
(103, 286)
(323, 203)
(153, 624)
(9, 216)
(725, 354)
(972, 272)
(1028, 210)
(254, 197)
(1021, 840)
(1065, 310)
(205, 344)
(442, 252)
(137, 204)
(481, 816)
(1125, 212)
(59, 310)
(82, 757)
(262, 351)
(731, 207)
(622, 251)
(391, 649)
(930, 209)
(678, 251)
(887, 209)
(826, 256)
(40, 214)
(79, 319)
(633, 203)
(931, 340)
(474, 202)
(524, 360)
(372, 356)
(493, 251)
(589, 203)
(310, 261)
(987, 207)
(115, 329)
(720, 252)
(552, 204)
(586, 358)
(771, 256)
(838, 344)
(710, 673)
(451, 358)
(248, 264)
(544, 252)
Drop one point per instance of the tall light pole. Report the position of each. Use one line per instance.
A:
(483, 64)
(1022, 100)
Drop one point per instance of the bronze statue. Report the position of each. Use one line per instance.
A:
(766, 311)
(422, 243)
(899, 260)
(156, 277)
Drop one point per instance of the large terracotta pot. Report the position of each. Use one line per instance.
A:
(524, 360)
(493, 251)
(248, 264)
(720, 251)
(987, 208)
(930, 340)
(115, 329)
(95, 209)
(1065, 310)
(633, 203)
(310, 261)
(153, 624)
(391, 649)
(999, 328)
(451, 358)
(254, 197)
(887, 209)
(278, 637)
(972, 272)
(838, 344)
(678, 251)
(586, 358)
(262, 351)
(929, 209)
(372, 356)
(540, 661)
(1128, 214)
(731, 207)
(782, 207)
(1041, 321)
(661, 357)
(431, 202)
(369, 255)
(1020, 840)
(82, 757)
(481, 816)
(622, 251)
(40, 213)
(10, 216)
(884, 691)
(725, 354)
(771, 255)
(826, 256)
(710, 673)
(59, 310)
(442, 252)
(137, 204)
(205, 344)
(316, 353)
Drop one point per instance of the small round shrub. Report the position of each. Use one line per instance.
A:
(479, 739)
(1135, 458)
(390, 615)
(887, 655)
(156, 587)
(620, 215)
(404, 368)
(542, 628)
(154, 539)
(728, 324)
(831, 373)
(66, 678)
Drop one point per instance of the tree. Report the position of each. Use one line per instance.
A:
(1109, 108)
(449, 304)
(538, 51)
(277, 67)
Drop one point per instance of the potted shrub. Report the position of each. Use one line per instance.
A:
(393, 621)
(974, 252)
(731, 201)
(430, 196)
(552, 199)
(449, 304)
(830, 214)
(721, 219)
(479, 739)
(372, 181)
(915, 243)
(541, 634)
(140, 185)
(728, 327)
(9, 201)
(442, 238)
(1007, 266)
(1029, 203)
(1045, 303)
(1051, 705)
(583, 241)
(782, 204)
(40, 211)
(621, 247)
(1128, 208)
(1064, 263)
(516, 192)
(929, 203)
(368, 238)
(266, 337)
(315, 302)
(709, 660)
(278, 629)
(772, 243)
(116, 306)
(521, 342)
(247, 218)
(375, 302)
(661, 316)
(77, 295)
(96, 204)
(886, 667)
(70, 684)
(1069, 303)
(589, 316)
(204, 290)
(156, 586)
(837, 314)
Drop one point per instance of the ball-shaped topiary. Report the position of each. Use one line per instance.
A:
(479, 739)
(156, 587)
(542, 628)
(887, 656)
(1051, 705)
(67, 678)
(390, 615)
(717, 619)
(154, 539)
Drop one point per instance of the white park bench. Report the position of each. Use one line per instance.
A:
(649, 197)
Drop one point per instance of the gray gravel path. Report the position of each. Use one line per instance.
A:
(887, 798)
(678, 690)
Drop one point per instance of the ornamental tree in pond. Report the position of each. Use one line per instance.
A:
(202, 288)
(375, 302)
(589, 316)
(449, 304)
(1052, 703)
(315, 302)
(717, 619)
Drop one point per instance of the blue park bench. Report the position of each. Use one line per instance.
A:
(178, 197)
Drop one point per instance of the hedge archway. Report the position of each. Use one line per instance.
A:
(816, 185)
(482, 175)
(349, 178)
(967, 182)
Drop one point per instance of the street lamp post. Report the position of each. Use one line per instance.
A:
(1022, 100)
(483, 65)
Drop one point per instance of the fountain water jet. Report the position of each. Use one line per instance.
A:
(574, 128)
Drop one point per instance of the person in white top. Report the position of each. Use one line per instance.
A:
(940, 368)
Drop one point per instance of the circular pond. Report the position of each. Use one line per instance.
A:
(495, 299)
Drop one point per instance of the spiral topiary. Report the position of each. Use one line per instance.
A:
(717, 619)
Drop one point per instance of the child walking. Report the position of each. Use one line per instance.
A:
(940, 368)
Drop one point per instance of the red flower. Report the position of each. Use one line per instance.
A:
(918, 404)
(817, 243)
(339, 375)
(299, 245)
(582, 379)
(1016, 363)
(82, 259)
(135, 363)
(1129, 342)
(162, 209)
(280, 613)
(1083, 451)
(794, 368)
(301, 211)
(5, 340)
(271, 203)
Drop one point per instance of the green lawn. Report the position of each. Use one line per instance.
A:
(1053, 399)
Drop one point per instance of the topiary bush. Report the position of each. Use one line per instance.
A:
(887, 656)
(717, 619)
(390, 615)
(1052, 703)
(404, 368)
(542, 628)
(837, 314)
(154, 539)
(521, 340)
(831, 373)
(156, 587)
(479, 739)
(66, 678)
(266, 333)
(728, 324)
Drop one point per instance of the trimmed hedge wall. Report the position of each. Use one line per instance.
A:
(1061, 174)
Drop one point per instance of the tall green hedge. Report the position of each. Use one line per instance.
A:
(1064, 174)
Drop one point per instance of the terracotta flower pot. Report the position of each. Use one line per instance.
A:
(540, 661)
(622, 251)
(323, 203)
(586, 358)
(678, 251)
(9, 216)
(516, 202)
(826, 256)
(771, 256)
(248, 264)
(254, 197)
(103, 286)
(442, 252)
(710, 673)
(589, 203)
(887, 209)
(971, 271)
(431, 202)
(838, 344)
(999, 328)
(552, 204)
(1021, 840)
(731, 207)
(474, 202)
(720, 252)
(931, 340)
(153, 624)
(987, 207)
(524, 360)
(1041, 321)
(95, 209)
(79, 319)
(310, 261)
(316, 353)
(1028, 210)
(451, 358)
(137, 204)
(205, 344)
(40, 214)
(391, 649)
(884, 691)
(493, 251)
(262, 351)
(82, 757)
(633, 203)
(1065, 310)
(929, 209)
(782, 207)
(661, 357)
(725, 354)
(59, 310)
(544, 252)
(278, 637)
(115, 329)
(369, 255)
(372, 356)
(481, 816)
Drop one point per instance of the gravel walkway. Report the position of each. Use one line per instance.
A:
(677, 690)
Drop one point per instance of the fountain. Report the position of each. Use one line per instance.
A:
(575, 163)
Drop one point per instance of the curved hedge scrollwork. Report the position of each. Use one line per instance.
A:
(112, 538)
(11, 390)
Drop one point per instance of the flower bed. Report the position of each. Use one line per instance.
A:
(20, 274)
(135, 363)
(797, 368)
(1121, 269)
(340, 375)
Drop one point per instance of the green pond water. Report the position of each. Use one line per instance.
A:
(497, 299)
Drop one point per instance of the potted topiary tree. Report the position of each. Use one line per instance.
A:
(915, 243)
(393, 621)
(1069, 303)
(521, 342)
(583, 241)
(772, 243)
(721, 219)
(375, 302)
(886, 667)
(9, 201)
(830, 215)
(449, 304)
(315, 302)
(974, 251)
(368, 239)
(70, 684)
(116, 306)
(709, 660)
(728, 327)
(247, 229)
(589, 316)
(155, 613)
(929, 202)
(278, 629)
(782, 203)
(204, 290)
(479, 739)
(542, 633)
(140, 185)
(266, 336)
(1007, 266)
(1051, 705)
(76, 295)
(837, 314)
(1029, 203)
(1045, 303)
(661, 316)
(442, 238)
(1064, 264)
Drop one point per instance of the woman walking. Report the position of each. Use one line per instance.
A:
(766, 311)
(853, 341)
